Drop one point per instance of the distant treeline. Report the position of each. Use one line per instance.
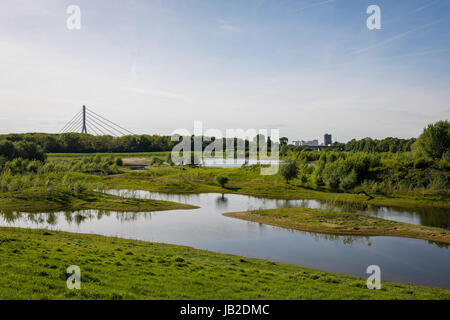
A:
(84, 143)
(20, 149)
(385, 145)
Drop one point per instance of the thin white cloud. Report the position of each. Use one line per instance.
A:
(423, 7)
(227, 25)
(157, 93)
(316, 5)
(422, 53)
(392, 39)
(432, 3)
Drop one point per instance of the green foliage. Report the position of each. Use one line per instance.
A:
(97, 159)
(289, 170)
(169, 159)
(118, 161)
(21, 149)
(350, 181)
(155, 161)
(385, 145)
(422, 163)
(434, 142)
(221, 180)
(283, 141)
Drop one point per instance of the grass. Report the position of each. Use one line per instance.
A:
(33, 265)
(249, 181)
(40, 200)
(343, 223)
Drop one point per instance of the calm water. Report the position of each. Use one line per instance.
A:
(235, 163)
(400, 259)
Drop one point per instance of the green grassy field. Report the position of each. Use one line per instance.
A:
(33, 265)
(336, 222)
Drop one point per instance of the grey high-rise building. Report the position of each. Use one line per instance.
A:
(327, 139)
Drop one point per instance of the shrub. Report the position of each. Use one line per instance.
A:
(350, 181)
(289, 170)
(221, 180)
(421, 163)
(434, 142)
(97, 158)
(318, 180)
(118, 161)
(439, 182)
(33, 166)
(169, 159)
(155, 161)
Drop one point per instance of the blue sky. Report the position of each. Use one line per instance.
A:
(306, 67)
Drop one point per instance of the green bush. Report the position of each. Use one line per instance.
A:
(421, 163)
(289, 170)
(434, 142)
(221, 180)
(118, 161)
(155, 161)
(350, 181)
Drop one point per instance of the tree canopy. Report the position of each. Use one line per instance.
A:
(434, 142)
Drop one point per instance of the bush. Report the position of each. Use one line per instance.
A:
(118, 161)
(97, 158)
(221, 180)
(434, 142)
(289, 171)
(422, 163)
(350, 181)
(439, 182)
(169, 159)
(155, 161)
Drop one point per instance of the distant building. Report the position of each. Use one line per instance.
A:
(312, 143)
(327, 140)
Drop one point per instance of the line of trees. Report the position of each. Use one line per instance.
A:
(21, 149)
(385, 145)
(434, 142)
(85, 143)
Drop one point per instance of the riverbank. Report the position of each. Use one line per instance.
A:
(40, 200)
(340, 223)
(33, 265)
(249, 181)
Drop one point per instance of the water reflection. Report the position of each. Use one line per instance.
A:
(70, 217)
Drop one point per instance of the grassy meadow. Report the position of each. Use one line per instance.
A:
(33, 265)
(343, 223)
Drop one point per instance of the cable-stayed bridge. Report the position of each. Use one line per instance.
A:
(88, 121)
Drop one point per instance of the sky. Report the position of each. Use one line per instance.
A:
(305, 67)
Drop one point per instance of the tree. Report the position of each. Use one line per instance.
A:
(434, 142)
(284, 141)
(29, 150)
(221, 180)
(289, 170)
(7, 149)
